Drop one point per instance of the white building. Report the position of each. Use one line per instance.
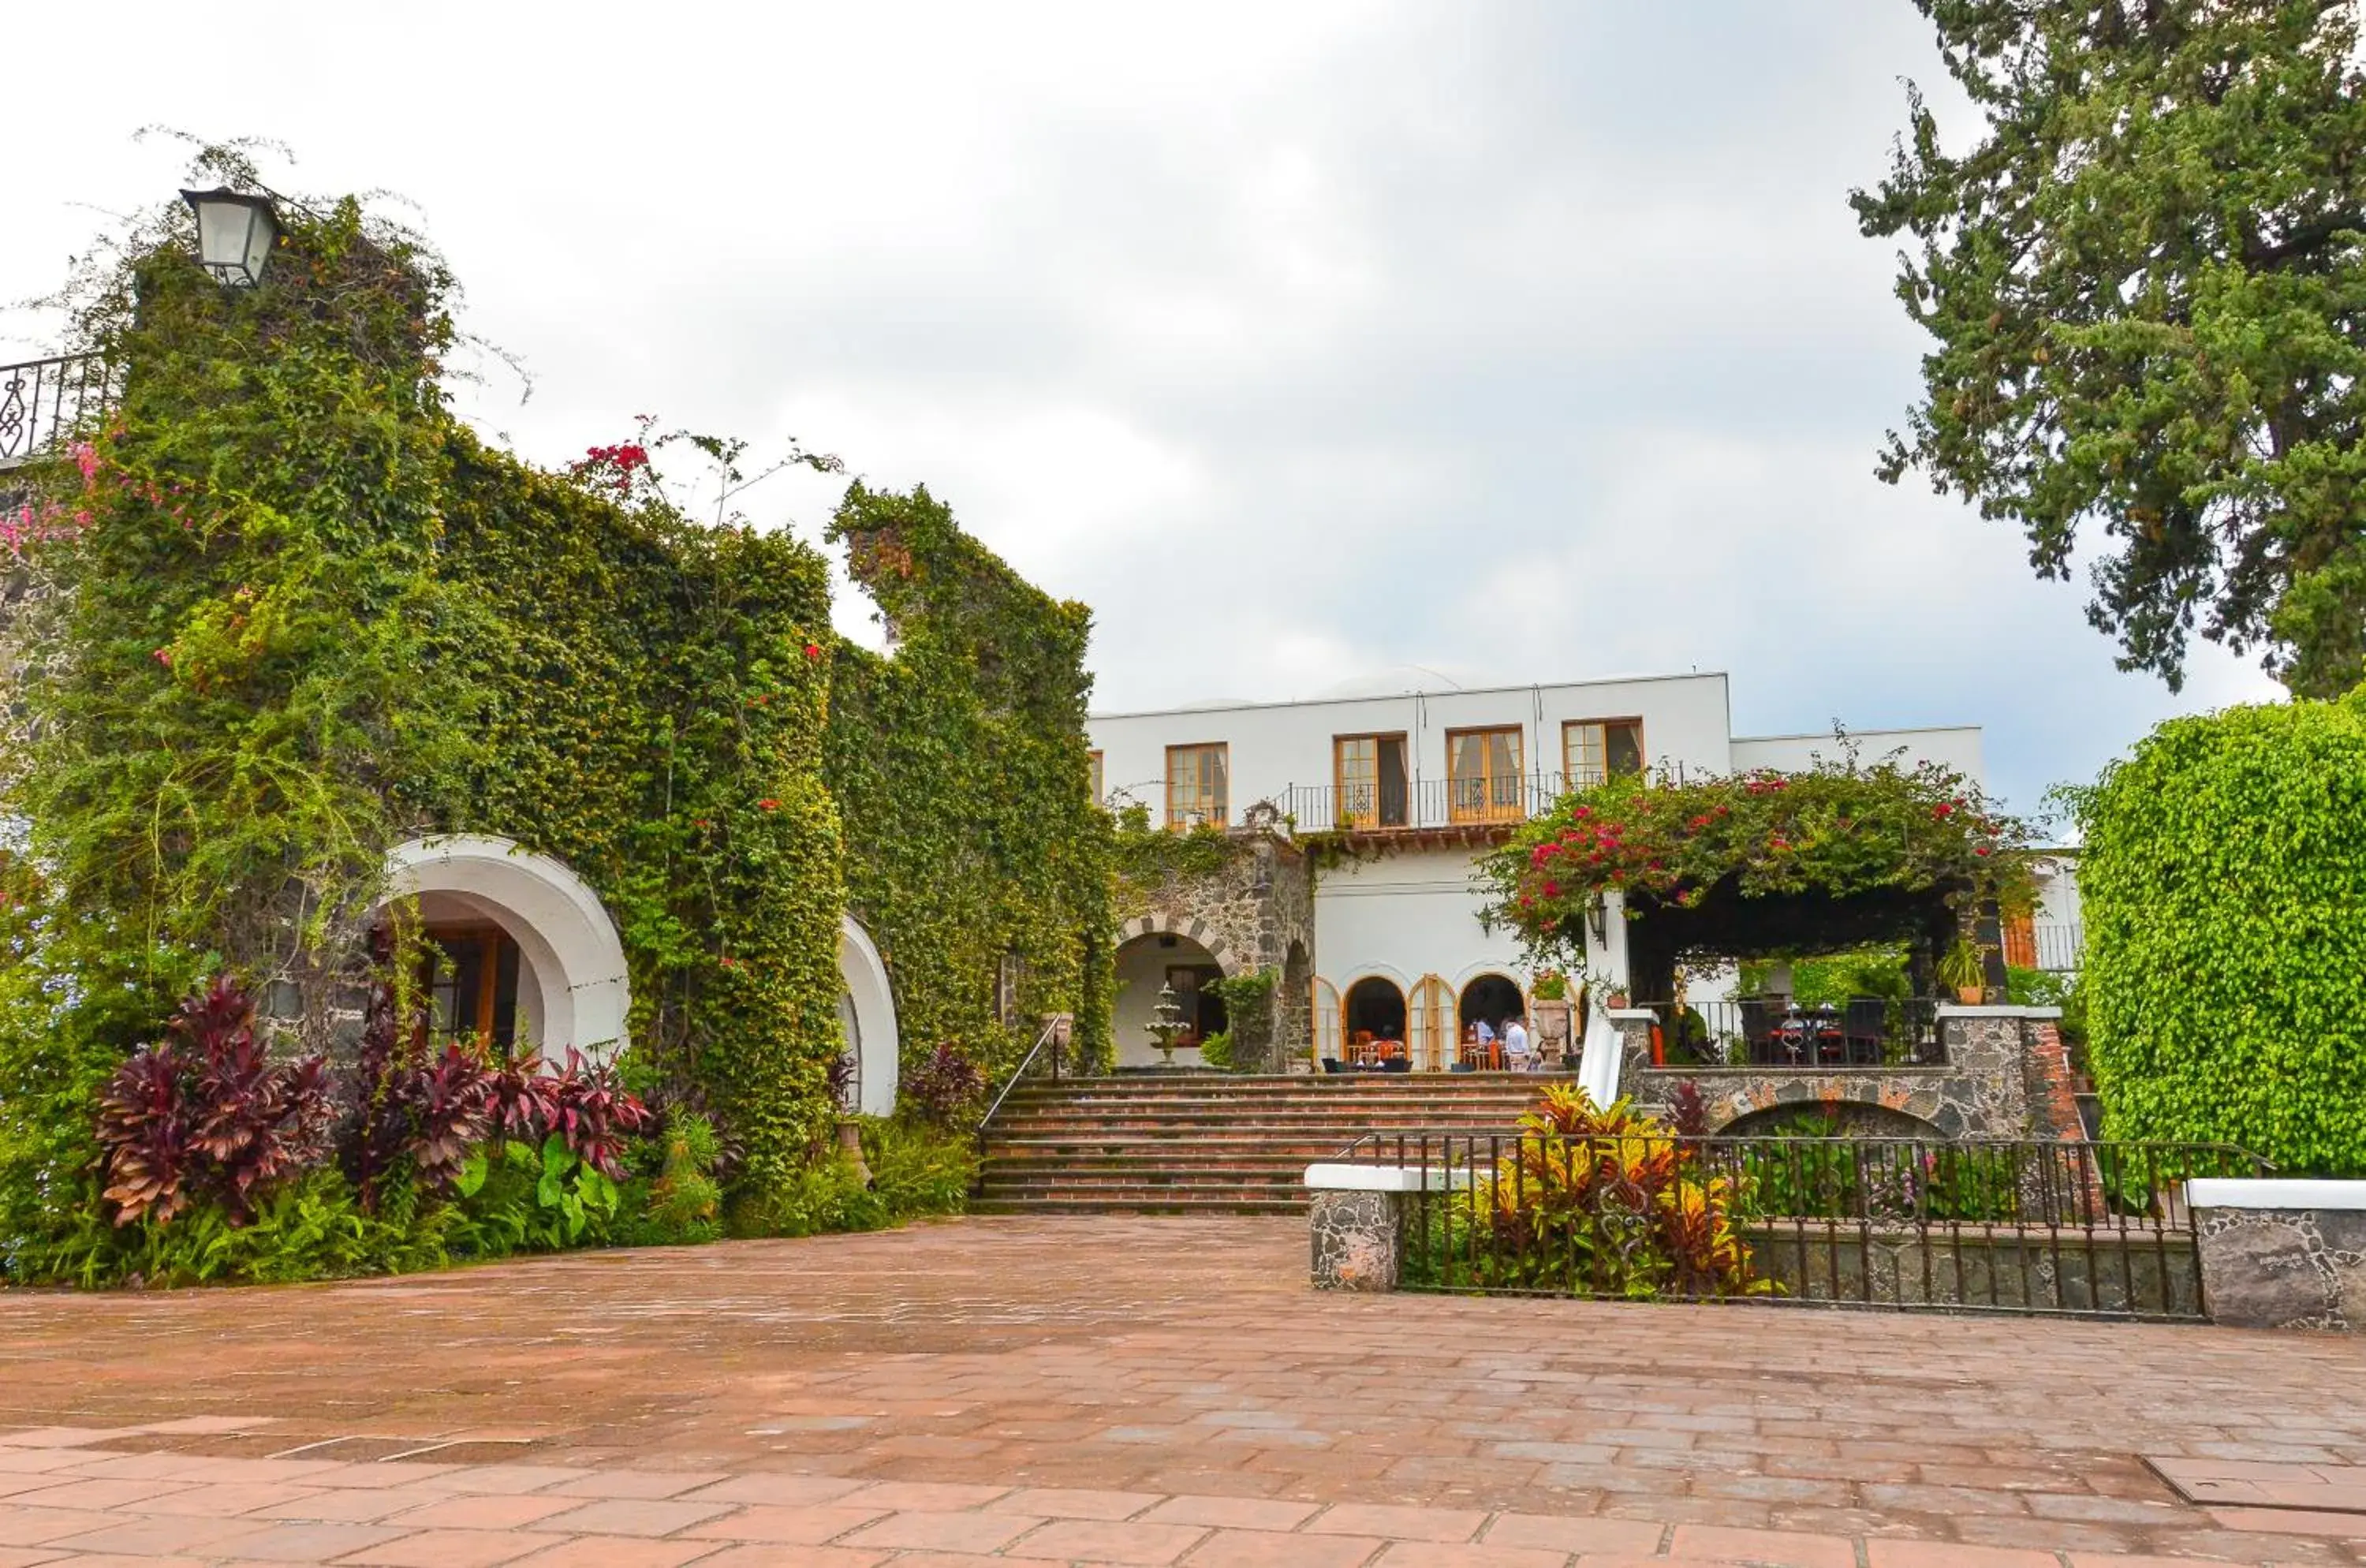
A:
(1438, 775)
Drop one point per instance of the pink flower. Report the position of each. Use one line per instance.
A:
(164, 655)
(85, 457)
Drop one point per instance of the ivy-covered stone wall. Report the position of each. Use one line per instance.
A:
(287, 611)
(975, 855)
(649, 714)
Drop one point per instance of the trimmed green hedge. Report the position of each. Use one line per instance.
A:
(2224, 891)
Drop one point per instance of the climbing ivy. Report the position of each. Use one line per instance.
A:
(285, 610)
(977, 858)
(653, 706)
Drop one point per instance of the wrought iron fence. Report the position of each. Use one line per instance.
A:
(1864, 1031)
(42, 401)
(2076, 1229)
(1383, 807)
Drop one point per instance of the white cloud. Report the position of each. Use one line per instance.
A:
(1300, 341)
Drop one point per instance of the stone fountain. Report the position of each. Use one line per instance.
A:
(1167, 1021)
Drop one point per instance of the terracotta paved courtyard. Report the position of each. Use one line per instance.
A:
(1134, 1391)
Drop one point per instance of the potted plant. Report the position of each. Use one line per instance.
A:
(1961, 971)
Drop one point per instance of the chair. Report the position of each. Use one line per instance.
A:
(1757, 1029)
(1866, 1021)
(1333, 1064)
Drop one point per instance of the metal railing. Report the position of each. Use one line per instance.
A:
(1864, 1031)
(1047, 1049)
(1420, 803)
(2078, 1229)
(2059, 945)
(44, 402)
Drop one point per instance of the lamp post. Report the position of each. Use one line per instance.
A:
(235, 233)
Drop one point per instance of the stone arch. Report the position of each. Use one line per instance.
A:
(867, 1014)
(1166, 922)
(568, 948)
(1856, 1111)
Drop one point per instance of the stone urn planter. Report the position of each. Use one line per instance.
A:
(849, 1143)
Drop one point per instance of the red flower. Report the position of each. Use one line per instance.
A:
(164, 655)
(813, 650)
(1552, 889)
(1979, 849)
(768, 803)
(1943, 809)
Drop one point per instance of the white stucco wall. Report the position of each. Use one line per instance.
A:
(1957, 747)
(1274, 746)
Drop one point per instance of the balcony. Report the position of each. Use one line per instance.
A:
(45, 402)
(1468, 807)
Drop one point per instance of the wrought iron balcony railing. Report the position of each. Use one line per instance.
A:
(1382, 808)
(45, 402)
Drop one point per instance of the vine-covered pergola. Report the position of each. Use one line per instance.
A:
(1763, 865)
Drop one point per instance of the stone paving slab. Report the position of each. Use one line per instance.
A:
(1132, 1391)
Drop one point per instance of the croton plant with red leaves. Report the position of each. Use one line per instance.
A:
(1835, 830)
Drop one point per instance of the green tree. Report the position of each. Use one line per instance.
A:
(2225, 890)
(2145, 279)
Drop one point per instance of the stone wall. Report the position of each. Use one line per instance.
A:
(2007, 1076)
(2283, 1268)
(1249, 914)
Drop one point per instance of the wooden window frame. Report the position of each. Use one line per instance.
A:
(1569, 776)
(1490, 811)
(1222, 817)
(1339, 776)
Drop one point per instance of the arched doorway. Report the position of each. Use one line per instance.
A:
(1490, 999)
(866, 1017)
(1149, 964)
(1374, 1009)
(527, 955)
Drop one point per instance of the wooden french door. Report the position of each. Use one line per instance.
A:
(1429, 1024)
(1328, 1019)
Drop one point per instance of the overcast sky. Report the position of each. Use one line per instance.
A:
(1304, 342)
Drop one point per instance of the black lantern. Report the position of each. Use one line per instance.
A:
(1597, 919)
(235, 233)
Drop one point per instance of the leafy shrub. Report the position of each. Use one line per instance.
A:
(2223, 880)
(916, 1169)
(683, 1201)
(204, 1117)
(518, 1197)
(946, 1087)
(1597, 1201)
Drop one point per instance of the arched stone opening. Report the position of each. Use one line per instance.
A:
(1150, 961)
(1826, 1118)
(866, 1016)
(570, 986)
(1183, 928)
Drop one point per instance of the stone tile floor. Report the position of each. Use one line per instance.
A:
(1135, 1391)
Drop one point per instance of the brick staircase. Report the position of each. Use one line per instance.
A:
(1211, 1144)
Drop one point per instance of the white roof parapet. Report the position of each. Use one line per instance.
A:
(2274, 1193)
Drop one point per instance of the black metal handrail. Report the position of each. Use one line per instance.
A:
(1056, 1035)
(2000, 1225)
(43, 401)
